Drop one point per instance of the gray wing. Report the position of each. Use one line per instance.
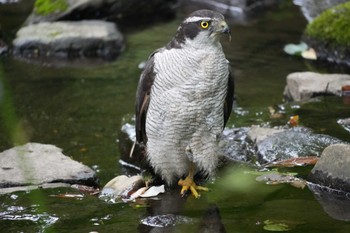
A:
(143, 98)
(229, 97)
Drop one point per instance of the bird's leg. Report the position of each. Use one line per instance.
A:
(189, 184)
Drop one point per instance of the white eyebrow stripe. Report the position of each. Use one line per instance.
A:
(196, 19)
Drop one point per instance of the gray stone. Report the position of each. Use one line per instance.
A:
(292, 143)
(345, 123)
(120, 11)
(312, 8)
(90, 38)
(302, 86)
(332, 169)
(36, 164)
(256, 134)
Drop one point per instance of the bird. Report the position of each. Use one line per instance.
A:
(184, 98)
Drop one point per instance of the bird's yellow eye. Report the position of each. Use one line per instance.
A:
(204, 24)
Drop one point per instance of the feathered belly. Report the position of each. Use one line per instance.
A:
(185, 118)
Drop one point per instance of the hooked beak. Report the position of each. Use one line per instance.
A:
(225, 29)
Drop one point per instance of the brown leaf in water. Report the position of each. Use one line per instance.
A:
(302, 161)
(294, 120)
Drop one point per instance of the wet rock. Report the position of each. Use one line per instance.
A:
(64, 40)
(37, 164)
(256, 134)
(329, 36)
(292, 143)
(240, 11)
(211, 221)
(302, 86)
(121, 11)
(332, 169)
(345, 123)
(312, 8)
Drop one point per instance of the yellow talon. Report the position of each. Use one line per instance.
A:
(188, 183)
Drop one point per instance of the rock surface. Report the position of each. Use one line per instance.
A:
(312, 8)
(90, 38)
(345, 123)
(292, 143)
(36, 164)
(329, 35)
(332, 169)
(302, 86)
(126, 11)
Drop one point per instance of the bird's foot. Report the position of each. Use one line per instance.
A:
(189, 184)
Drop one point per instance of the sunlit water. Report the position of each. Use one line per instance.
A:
(82, 110)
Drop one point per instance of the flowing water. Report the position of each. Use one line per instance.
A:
(81, 109)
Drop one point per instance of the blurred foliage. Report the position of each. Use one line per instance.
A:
(46, 7)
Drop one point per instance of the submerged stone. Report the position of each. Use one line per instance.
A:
(36, 164)
(332, 169)
(62, 40)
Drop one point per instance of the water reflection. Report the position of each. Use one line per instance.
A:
(334, 202)
(166, 215)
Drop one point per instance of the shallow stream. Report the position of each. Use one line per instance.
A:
(81, 110)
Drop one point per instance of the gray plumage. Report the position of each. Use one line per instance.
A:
(184, 99)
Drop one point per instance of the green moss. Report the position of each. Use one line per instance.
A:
(46, 7)
(332, 25)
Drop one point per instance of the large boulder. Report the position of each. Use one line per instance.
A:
(121, 11)
(329, 35)
(38, 164)
(65, 39)
(332, 169)
(302, 86)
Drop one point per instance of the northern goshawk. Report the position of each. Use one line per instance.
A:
(184, 99)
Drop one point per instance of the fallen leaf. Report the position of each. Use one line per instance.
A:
(294, 120)
(138, 193)
(302, 161)
(309, 54)
(153, 191)
(86, 189)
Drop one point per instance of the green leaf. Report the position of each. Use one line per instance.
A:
(275, 226)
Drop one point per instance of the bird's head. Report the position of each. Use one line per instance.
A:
(202, 26)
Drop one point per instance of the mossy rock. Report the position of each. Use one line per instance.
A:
(46, 7)
(329, 34)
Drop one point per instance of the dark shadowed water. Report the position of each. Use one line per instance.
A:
(81, 110)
